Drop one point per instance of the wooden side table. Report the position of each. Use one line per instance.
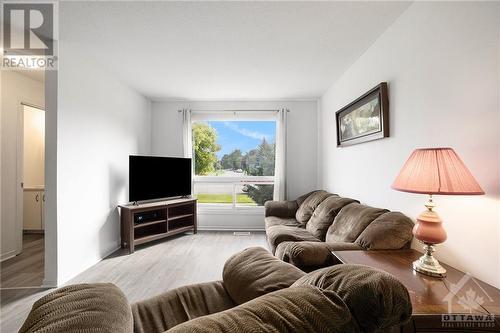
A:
(457, 303)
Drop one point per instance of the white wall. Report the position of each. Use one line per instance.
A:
(16, 88)
(50, 207)
(100, 121)
(441, 61)
(301, 149)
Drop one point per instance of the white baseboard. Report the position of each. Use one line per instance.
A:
(49, 284)
(55, 284)
(111, 252)
(8, 255)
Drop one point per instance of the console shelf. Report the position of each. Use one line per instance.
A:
(148, 222)
(145, 224)
(150, 238)
(179, 217)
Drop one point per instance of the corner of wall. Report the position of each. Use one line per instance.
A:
(498, 106)
(150, 124)
(51, 167)
(319, 147)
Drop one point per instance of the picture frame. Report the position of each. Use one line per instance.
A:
(364, 119)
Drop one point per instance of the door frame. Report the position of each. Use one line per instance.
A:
(20, 169)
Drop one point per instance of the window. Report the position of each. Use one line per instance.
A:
(234, 161)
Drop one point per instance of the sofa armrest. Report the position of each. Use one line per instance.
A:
(176, 306)
(254, 272)
(312, 254)
(95, 307)
(281, 208)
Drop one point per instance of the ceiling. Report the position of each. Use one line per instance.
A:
(226, 50)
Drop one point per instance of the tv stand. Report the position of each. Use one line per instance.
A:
(144, 223)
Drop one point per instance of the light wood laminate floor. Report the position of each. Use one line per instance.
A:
(151, 270)
(27, 268)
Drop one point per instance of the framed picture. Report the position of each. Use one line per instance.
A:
(365, 119)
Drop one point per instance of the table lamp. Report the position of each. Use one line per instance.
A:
(434, 171)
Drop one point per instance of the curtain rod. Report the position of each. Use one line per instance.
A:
(215, 111)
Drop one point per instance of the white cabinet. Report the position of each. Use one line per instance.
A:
(33, 210)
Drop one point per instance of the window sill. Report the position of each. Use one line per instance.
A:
(207, 210)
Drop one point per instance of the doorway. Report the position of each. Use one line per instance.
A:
(27, 268)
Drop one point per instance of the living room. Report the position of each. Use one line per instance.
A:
(271, 86)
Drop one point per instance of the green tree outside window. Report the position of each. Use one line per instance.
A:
(204, 148)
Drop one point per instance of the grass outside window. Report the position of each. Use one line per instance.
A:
(241, 198)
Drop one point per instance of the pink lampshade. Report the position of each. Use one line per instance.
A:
(436, 171)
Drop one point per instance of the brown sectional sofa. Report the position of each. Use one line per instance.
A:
(305, 231)
(257, 293)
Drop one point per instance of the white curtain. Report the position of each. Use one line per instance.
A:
(280, 158)
(187, 140)
(187, 134)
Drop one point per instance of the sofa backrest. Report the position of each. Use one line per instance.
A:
(173, 307)
(300, 309)
(303, 197)
(309, 204)
(324, 214)
(392, 230)
(351, 221)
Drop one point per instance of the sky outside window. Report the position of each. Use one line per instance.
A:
(243, 135)
(234, 149)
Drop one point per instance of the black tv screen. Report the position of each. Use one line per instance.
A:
(153, 177)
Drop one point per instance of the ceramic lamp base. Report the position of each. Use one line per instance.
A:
(429, 265)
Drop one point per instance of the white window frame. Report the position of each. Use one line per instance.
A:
(235, 181)
(231, 115)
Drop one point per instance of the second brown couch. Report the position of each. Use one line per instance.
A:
(305, 231)
(257, 293)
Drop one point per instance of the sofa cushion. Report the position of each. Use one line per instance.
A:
(351, 221)
(323, 216)
(254, 272)
(377, 299)
(81, 308)
(389, 231)
(281, 233)
(309, 255)
(271, 221)
(162, 312)
(302, 309)
(310, 203)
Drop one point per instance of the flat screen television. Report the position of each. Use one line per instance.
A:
(154, 177)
